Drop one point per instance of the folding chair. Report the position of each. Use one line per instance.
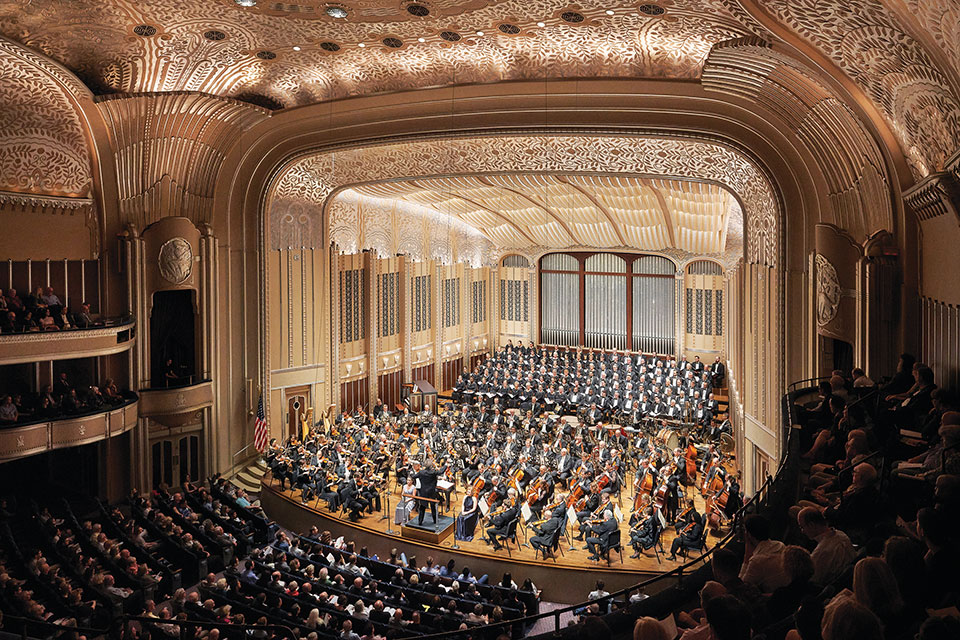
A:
(511, 535)
(613, 544)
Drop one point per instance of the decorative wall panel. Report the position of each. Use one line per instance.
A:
(169, 148)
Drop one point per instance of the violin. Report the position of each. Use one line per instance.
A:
(477, 487)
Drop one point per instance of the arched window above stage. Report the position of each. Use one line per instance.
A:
(608, 301)
(703, 304)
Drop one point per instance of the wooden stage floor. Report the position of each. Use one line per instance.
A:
(577, 558)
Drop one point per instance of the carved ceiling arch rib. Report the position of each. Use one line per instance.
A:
(851, 162)
(168, 151)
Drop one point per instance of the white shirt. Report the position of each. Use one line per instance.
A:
(833, 555)
(764, 569)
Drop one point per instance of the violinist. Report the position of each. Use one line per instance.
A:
(600, 533)
(689, 533)
(590, 517)
(545, 530)
(500, 523)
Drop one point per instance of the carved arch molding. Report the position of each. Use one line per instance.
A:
(297, 212)
(43, 149)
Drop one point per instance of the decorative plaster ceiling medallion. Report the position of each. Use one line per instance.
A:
(175, 260)
(372, 11)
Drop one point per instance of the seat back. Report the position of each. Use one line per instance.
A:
(614, 540)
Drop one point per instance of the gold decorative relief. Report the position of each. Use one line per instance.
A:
(828, 291)
(43, 149)
(867, 40)
(288, 54)
(175, 260)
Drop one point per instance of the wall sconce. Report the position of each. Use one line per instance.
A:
(484, 342)
(386, 362)
(476, 344)
(446, 350)
(348, 367)
(458, 347)
(429, 353)
(396, 359)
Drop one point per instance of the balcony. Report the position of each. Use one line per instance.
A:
(111, 336)
(175, 405)
(29, 439)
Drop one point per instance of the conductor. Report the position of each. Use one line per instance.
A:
(426, 484)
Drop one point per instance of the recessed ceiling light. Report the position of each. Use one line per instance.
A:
(609, 12)
(296, 48)
(246, 3)
(361, 45)
(541, 24)
(421, 39)
(336, 12)
(479, 33)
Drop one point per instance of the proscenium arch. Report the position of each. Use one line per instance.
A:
(308, 183)
(296, 214)
(619, 106)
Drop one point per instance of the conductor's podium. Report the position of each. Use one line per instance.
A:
(433, 533)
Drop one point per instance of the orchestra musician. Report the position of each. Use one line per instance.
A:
(645, 532)
(545, 530)
(689, 531)
(600, 533)
(499, 523)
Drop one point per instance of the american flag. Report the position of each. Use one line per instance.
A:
(260, 430)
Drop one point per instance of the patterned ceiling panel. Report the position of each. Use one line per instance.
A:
(879, 49)
(249, 53)
(562, 211)
(43, 149)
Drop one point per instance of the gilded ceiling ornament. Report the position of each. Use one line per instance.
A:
(175, 260)
(97, 40)
(43, 148)
(828, 291)
(868, 42)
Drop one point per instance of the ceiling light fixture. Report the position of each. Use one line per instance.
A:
(541, 24)
(609, 12)
(479, 33)
(246, 3)
(295, 48)
(421, 39)
(336, 12)
(361, 45)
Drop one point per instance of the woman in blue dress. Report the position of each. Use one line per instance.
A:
(467, 520)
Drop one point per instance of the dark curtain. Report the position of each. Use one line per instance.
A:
(172, 337)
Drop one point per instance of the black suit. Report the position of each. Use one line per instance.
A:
(545, 534)
(600, 535)
(427, 488)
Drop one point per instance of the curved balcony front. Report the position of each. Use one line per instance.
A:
(109, 337)
(22, 440)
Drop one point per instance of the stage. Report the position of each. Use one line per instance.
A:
(568, 579)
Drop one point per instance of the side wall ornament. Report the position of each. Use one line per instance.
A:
(828, 291)
(175, 260)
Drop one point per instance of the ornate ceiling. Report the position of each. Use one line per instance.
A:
(43, 149)
(537, 192)
(524, 211)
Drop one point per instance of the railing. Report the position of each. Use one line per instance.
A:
(128, 398)
(178, 382)
(99, 323)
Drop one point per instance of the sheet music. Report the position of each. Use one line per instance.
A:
(617, 513)
(444, 485)
(526, 512)
(571, 514)
(670, 626)
(484, 508)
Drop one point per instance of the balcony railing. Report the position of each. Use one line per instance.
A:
(24, 439)
(112, 335)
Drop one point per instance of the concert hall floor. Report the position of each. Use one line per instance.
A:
(288, 510)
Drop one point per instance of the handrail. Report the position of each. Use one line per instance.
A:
(793, 386)
(101, 323)
(129, 397)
